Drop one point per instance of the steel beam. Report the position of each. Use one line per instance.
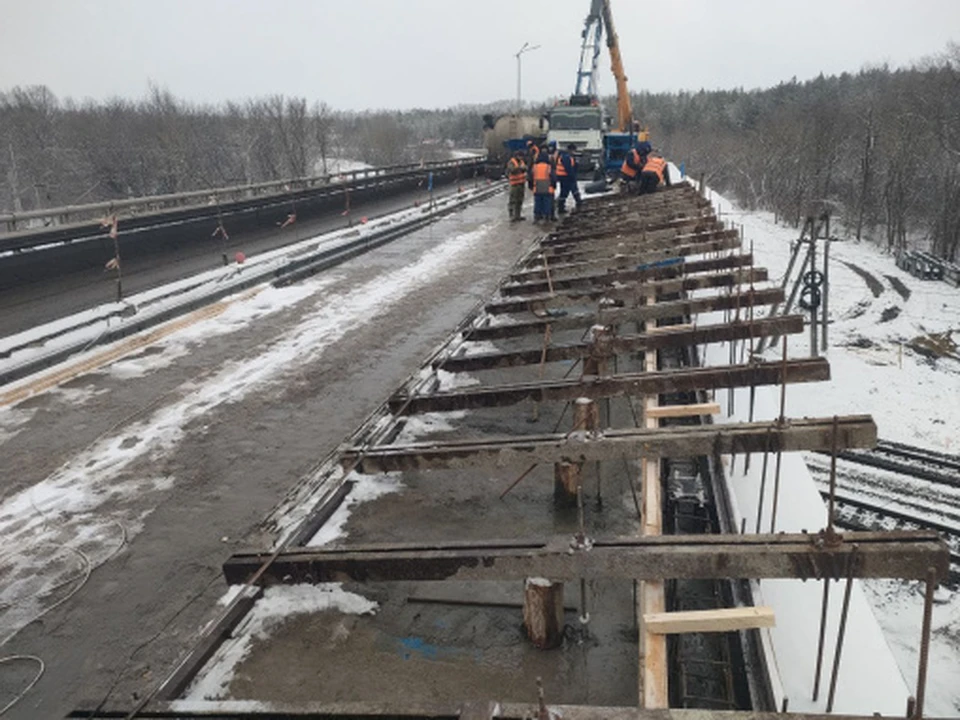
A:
(905, 555)
(626, 258)
(802, 370)
(611, 250)
(705, 334)
(853, 431)
(641, 313)
(633, 225)
(613, 277)
(647, 289)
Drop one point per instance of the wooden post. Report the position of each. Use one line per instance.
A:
(586, 415)
(543, 612)
(567, 480)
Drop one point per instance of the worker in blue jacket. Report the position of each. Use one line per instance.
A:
(567, 176)
(543, 180)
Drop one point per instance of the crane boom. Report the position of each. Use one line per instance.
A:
(624, 109)
(590, 52)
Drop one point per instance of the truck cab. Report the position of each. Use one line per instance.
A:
(580, 123)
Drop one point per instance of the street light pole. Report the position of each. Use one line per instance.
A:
(526, 48)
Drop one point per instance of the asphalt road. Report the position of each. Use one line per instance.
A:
(184, 448)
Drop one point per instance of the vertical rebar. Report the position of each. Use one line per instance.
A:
(824, 604)
(783, 383)
(813, 310)
(763, 479)
(776, 493)
(833, 477)
(825, 295)
(842, 631)
(925, 642)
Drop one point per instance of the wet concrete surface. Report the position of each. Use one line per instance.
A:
(464, 644)
(138, 613)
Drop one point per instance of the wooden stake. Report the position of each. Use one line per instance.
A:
(543, 612)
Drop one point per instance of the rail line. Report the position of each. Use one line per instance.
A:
(908, 460)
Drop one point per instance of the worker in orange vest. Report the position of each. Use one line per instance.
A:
(543, 179)
(633, 164)
(533, 152)
(517, 175)
(653, 174)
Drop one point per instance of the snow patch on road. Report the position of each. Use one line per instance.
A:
(365, 489)
(278, 604)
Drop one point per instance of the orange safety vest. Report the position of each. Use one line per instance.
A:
(541, 178)
(656, 165)
(516, 171)
(626, 169)
(561, 170)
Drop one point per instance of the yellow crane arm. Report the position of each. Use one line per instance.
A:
(624, 109)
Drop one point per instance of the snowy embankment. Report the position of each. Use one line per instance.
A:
(878, 317)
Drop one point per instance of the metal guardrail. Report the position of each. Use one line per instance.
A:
(134, 207)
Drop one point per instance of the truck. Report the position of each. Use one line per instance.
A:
(507, 133)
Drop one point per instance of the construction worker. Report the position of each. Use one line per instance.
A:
(517, 175)
(533, 151)
(632, 165)
(567, 176)
(654, 172)
(543, 178)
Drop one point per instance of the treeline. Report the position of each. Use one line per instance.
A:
(879, 150)
(59, 152)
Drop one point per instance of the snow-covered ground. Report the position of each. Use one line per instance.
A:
(877, 314)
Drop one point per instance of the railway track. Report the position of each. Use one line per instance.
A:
(853, 513)
(908, 460)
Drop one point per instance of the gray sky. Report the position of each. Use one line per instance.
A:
(357, 54)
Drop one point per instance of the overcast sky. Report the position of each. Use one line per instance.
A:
(358, 54)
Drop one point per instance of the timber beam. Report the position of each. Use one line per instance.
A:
(613, 277)
(641, 313)
(812, 434)
(648, 289)
(905, 555)
(704, 334)
(660, 382)
(629, 257)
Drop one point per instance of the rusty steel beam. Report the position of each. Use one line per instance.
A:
(580, 321)
(612, 250)
(629, 384)
(608, 279)
(704, 334)
(905, 555)
(812, 434)
(650, 289)
(634, 225)
(629, 258)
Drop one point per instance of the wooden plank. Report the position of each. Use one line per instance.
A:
(904, 555)
(675, 411)
(721, 620)
(802, 370)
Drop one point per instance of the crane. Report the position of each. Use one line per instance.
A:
(624, 109)
(590, 52)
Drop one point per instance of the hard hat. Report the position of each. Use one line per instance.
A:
(553, 144)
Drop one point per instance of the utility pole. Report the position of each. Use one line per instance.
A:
(527, 47)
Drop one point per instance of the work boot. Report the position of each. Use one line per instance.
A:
(521, 217)
(561, 208)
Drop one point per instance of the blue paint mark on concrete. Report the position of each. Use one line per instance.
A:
(418, 646)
